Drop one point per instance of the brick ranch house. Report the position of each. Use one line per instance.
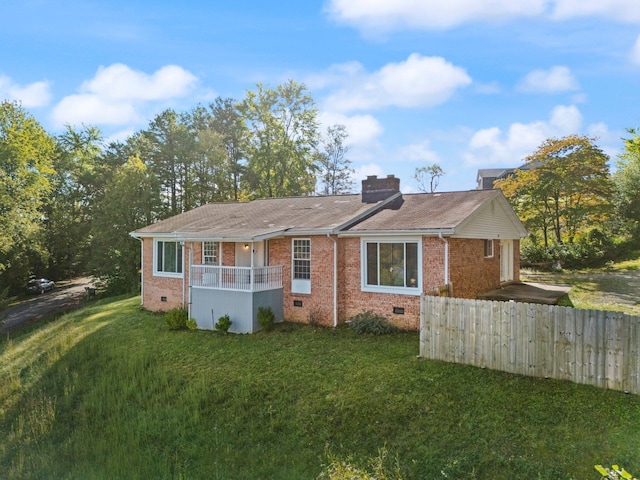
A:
(330, 257)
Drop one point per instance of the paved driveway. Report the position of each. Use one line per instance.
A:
(528, 292)
(66, 296)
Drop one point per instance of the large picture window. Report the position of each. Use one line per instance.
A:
(391, 265)
(210, 253)
(168, 258)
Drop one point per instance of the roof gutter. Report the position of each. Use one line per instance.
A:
(394, 233)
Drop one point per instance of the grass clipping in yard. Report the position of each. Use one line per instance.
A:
(111, 392)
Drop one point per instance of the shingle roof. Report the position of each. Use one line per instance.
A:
(428, 211)
(265, 218)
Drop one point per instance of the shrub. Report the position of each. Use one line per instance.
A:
(266, 318)
(177, 318)
(369, 322)
(224, 323)
(192, 324)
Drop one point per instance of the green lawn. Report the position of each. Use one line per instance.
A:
(109, 392)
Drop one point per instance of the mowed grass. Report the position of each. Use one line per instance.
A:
(108, 392)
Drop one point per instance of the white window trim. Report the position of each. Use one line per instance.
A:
(484, 247)
(219, 247)
(300, 285)
(157, 273)
(417, 290)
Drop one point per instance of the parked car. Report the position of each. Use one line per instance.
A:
(40, 285)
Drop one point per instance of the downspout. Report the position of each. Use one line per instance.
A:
(190, 282)
(446, 258)
(251, 271)
(184, 274)
(141, 270)
(335, 280)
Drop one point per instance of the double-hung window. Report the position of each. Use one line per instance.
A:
(488, 248)
(211, 253)
(301, 265)
(391, 265)
(168, 259)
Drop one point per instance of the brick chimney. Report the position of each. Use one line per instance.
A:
(375, 189)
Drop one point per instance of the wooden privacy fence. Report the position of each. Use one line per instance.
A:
(593, 347)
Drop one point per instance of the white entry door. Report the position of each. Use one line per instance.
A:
(506, 261)
(244, 252)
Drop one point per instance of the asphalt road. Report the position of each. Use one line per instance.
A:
(66, 296)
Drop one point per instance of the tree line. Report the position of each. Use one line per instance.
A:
(69, 201)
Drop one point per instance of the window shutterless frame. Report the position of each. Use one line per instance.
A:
(301, 265)
(168, 258)
(211, 253)
(392, 265)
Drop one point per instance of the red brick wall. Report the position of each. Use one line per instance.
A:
(157, 287)
(228, 254)
(352, 300)
(470, 272)
(319, 303)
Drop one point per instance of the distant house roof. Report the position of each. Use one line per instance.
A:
(487, 176)
(343, 214)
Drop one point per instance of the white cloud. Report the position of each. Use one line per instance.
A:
(420, 152)
(635, 52)
(385, 15)
(620, 10)
(92, 110)
(417, 82)
(363, 171)
(556, 79)
(363, 130)
(492, 146)
(116, 94)
(119, 82)
(565, 119)
(36, 94)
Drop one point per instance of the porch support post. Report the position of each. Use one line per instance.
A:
(251, 271)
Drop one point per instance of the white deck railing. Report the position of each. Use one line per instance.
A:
(244, 279)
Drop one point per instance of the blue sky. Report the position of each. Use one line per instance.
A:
(466, 84)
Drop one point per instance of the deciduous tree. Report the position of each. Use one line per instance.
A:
(283, 136)
(68, 210)
(627, 180)
(131, 200)
(335, 169)
(27, 154)
(428, 178)
(567, 187)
